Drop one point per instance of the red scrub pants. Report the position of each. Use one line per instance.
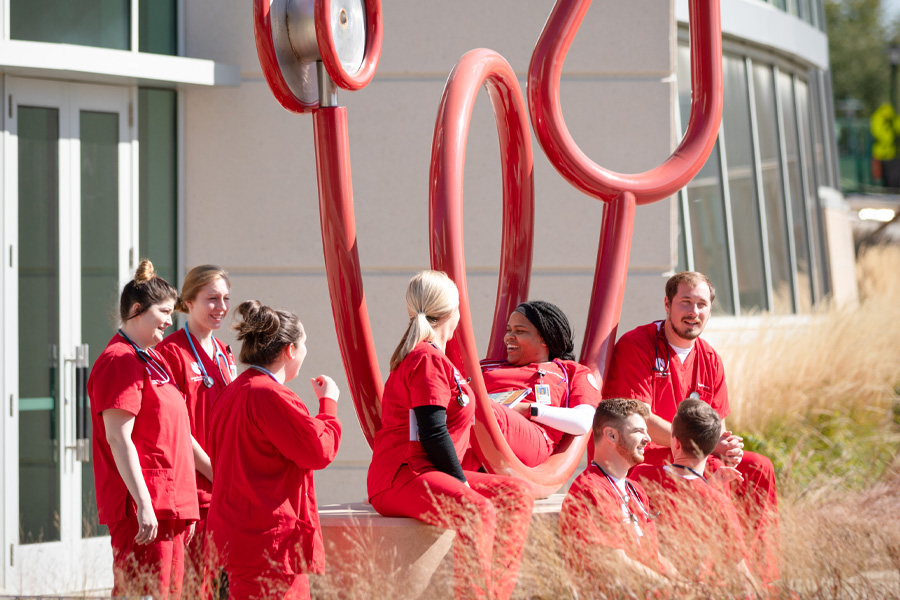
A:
(526, 438)
(490, 518)
(257, 586)
(756, 502)
(155, 569)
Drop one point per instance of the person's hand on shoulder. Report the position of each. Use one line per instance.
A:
(325, 387)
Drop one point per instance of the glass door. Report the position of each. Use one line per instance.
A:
(70, 157)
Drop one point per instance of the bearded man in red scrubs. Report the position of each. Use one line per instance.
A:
(665, 362)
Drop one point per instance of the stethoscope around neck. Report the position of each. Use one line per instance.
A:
(660, 368)
(207, 379)
(148, 358)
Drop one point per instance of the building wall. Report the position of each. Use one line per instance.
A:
(250, 199)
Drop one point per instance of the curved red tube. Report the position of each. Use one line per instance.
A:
(328, 52)
(345, 286)
(265, 49)
(447, 253)
(549, 125)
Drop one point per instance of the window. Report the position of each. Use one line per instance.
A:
(751, 219)
(157, 127)
(98, 23)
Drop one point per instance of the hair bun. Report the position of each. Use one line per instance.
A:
(145, 272)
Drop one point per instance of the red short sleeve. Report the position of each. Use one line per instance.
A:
(630, 372)
(583, 386)
(428, 378)
(116, 383)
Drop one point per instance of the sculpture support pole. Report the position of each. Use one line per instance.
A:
(345, 286)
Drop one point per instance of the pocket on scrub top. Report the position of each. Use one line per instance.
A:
(161, 485)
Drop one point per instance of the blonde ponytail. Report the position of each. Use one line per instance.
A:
(430, 298)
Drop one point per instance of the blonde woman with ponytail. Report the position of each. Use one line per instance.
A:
(201, 367)
(427, 414)
(143, 463)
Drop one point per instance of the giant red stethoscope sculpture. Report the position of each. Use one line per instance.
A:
(308, 47)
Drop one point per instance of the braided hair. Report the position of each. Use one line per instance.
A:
(553, 325)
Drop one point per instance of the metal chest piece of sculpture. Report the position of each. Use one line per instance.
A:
(309, 48)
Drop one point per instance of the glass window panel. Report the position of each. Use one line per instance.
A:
(38, 157)
(157, 27)
(818, 141)
(99, 261)
(158, 179)
(811, 191)
(742, 187)
(101, 23)
(770, 165)
(706, 204)
(797, 197)
(682, 253)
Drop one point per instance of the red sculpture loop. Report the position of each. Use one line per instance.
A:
(328, 52)
(703, 127)
(265, 49)
(447, 253)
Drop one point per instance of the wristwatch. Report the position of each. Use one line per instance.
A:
(534, 410)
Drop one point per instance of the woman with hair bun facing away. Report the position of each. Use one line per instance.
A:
(427, 413)
(264, 446)
(143, 463)
(201, 367)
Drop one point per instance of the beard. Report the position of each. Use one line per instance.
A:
(634, 456)
(686, 333)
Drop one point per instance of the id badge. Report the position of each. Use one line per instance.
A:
(542, 393)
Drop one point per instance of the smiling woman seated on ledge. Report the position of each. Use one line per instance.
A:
(540, 393)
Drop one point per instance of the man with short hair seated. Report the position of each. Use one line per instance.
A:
(608, 533)
(698, 526)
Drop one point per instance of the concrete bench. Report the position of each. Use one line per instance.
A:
(361, 543)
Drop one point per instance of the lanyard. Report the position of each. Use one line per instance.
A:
(266, 371)
(541, 372)
(148, 358)
(629, 491)
(207, 380)
(676, 465)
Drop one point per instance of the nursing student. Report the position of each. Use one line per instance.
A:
(558, 395)
(265, 445)
(143, 462)
(427, 415)
(201, 367)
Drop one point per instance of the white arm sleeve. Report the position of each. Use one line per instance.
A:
(576, 420)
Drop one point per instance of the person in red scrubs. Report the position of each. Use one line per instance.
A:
(201, 367)
(264, 445)
(607, 530)
(556, 394)
(427, 414)
(699, 529)
(665, 362)
(143, 463)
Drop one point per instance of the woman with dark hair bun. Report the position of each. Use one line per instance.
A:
(201, 367)
(556, 394)
(143, 463)
(264, 446)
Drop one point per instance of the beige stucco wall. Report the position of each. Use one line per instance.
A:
(250, 188)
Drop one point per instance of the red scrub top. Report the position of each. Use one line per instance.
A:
(571, 384)
(264, 445)
(188, 376)
(645, 367)
(426, 377)
(161, 434)
(592, 514)
(696, 520)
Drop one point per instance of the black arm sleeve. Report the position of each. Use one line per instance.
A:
(435, 440)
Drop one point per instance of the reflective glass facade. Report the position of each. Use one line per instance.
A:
(751, 219)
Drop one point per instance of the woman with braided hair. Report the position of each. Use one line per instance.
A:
(558, 395)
